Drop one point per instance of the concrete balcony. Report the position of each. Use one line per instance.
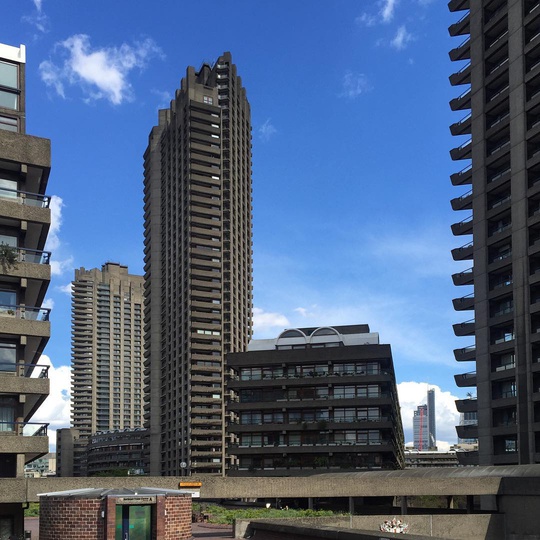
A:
(458, 5)
(466, 354)
(466, 405)
(463, 227)
(462, 52)
(467, 458)
(463, 127)
(462, 177)
(461, 27)
(26, 438)
(462, 152)
(18, 379)
(464, 329)
(463, 253)
(463, 278)
(463, 76)
(467, 432)
(465, 380)
(462, 102)
(464, 303)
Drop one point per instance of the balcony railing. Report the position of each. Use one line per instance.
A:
(23, 197)
(33, 256)
(26, 429)
(25, 370)
(25, 312)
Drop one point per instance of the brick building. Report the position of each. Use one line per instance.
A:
(106, 514)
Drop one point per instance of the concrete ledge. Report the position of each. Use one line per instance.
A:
(302, 532)
(443, 526)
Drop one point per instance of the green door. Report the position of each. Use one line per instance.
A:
(133, 522)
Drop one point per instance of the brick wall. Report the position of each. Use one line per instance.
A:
(72, 518)
(69, 518)
(177, 518)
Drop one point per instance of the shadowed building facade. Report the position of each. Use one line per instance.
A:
(498, 71)
(313, 400)
(198, 265)
(25, 218)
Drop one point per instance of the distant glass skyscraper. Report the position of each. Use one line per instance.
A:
(198, 265)
(424, 430)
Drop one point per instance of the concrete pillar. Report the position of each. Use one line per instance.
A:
(470, 504)
(404, 505)
(351, 505)
(310, 503)
(450, 501)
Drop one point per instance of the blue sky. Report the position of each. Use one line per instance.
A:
(351, 159)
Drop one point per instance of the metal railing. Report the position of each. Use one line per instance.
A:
(26, 429)
(25, 312)
(24, 197)
(25, 370)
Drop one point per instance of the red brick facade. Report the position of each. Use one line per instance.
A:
(83, 518)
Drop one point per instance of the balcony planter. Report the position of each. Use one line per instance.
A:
(8, 257)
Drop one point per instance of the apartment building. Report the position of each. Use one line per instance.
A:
(25, 163)
(313, 400)
(498, 69)
(198, 265)
(107, 349)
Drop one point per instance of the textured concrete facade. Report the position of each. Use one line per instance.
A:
(198, 265)
(500, 75)
(25, 274)
(107, 345)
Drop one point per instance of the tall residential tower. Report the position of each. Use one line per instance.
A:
(198, 265)
(25, 218)
(107, 349)
(499, 71)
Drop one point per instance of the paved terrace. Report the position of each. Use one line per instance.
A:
(519, 480)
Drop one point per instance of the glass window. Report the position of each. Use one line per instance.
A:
(8, 188)
(7, 414)
(9, 75)
(9, 100)
(9, 124)
(8, 356)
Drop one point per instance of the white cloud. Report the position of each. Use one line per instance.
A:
(354, 84)
(307, 313)
(66, 289)
(366, 19)
(411, 394)
(56, 409)
(48, 303)
(58, 265)
(401, 39)
(384, 15)
(56, 205)
(265, 321)
(38, 19)
(387, 10)
(101, 73)
(267, 130)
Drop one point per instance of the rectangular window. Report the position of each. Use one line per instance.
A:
(8, 356)
(9, 75)
(208, 99)
(9, 124)
(9, 100)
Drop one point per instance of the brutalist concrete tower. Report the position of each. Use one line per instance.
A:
(198, 265)
(499, 71)
(25, 218)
